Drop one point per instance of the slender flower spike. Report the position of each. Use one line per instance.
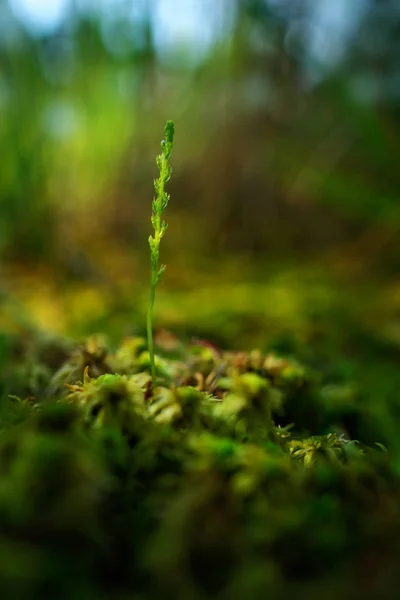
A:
(160, 201)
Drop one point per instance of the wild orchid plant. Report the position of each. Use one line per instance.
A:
(160, 201)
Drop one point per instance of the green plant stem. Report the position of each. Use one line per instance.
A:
(159, 203)
(150, 342)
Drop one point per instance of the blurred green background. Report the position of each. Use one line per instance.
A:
(284, 212)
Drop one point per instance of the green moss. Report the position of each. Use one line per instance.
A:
(202, 485)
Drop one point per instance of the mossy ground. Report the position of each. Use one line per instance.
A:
(244, 474)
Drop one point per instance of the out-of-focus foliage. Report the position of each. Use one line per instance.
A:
(286, 144)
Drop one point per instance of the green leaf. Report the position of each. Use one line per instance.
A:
(381, 446)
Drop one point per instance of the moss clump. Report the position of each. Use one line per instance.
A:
(200, 486)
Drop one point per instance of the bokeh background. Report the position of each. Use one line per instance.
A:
(285, 212)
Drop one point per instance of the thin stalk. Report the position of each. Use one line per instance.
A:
(159, 203)
(150, 342)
